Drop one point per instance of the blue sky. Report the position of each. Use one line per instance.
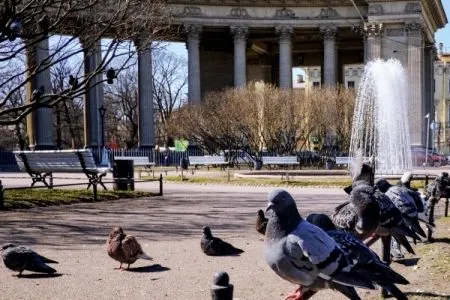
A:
(443, 35)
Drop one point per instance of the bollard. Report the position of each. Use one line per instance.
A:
(1, 195)
(221, 288)
(160, 185)
(446, 208)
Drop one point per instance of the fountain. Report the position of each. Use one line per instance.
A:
(380, 130)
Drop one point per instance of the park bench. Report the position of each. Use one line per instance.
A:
(343, 160)
(280, 161)
(143, 162)
(207, 161)
(40, 165)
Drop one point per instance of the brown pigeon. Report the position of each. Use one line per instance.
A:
(214, 246)
(261, 222)
(124, 248)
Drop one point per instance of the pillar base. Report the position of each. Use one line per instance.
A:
(42, 147)
(146, 147)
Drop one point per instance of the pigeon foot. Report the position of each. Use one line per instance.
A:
(295, 295)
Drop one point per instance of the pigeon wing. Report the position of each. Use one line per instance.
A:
(131, 248)
(324, 254)
(345, 216)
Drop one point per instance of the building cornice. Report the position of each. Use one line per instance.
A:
(269, 3)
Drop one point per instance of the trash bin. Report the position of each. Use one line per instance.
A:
(123, 173)
(329, 164)
(184, 163)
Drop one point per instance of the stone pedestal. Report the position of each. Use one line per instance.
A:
(40, 121)
(330, 55)
(193, 32)
(146, 131)
(240, 62)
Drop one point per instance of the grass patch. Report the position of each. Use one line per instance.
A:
(27, 198)
(304, 182)
(436, 256)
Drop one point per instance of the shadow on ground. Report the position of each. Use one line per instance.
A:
(175, 215)
(149, 269)
(427, 294)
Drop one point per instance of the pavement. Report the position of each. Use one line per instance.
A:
(169, 229)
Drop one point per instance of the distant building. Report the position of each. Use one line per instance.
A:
(441, 131)
(352, 75)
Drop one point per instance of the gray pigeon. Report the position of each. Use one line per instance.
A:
(361, 215)
(21, 258)
(302, 253)
(214, 246)
(364, 260)
(404, 202)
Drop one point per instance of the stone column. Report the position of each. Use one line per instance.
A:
(93, 95)
(240, 62)
(193, 46)
(40, 121)
(415, 80)
(146, 130)
(372, 43)
(428, 87)
(285, 56)
(330, 55)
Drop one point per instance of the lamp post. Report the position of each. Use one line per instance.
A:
(427, 116)
(102, 112)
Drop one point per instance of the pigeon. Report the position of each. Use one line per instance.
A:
(404, 202)
(361, 214)
(390, 218)
(364, 260)
(261, 222)
(21, 258)
(124, 248)
(302, 253)
(214, 246)
(405, 185)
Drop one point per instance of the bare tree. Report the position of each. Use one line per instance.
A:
(169, 87)
(69, 113)
(24, 25)
(121, 102)
(264, 117)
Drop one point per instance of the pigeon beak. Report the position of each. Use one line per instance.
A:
(269, 207)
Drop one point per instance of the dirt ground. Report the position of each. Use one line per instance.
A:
(169, 229)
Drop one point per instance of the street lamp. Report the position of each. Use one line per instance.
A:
(102, 112)
(427, 116)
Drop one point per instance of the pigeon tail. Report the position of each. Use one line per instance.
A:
(40, 268)
(381, 274)
(394, 291)
(402, 229)
(145, 256)
(47, 260)
(350, 279)
(413, 223)
(401, 239)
